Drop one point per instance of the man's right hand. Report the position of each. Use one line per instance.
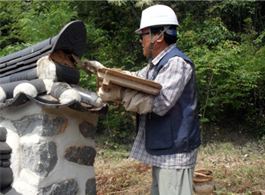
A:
(93, 66)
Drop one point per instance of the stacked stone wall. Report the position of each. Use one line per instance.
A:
(53, 150)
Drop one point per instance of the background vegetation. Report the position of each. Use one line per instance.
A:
(225, 39)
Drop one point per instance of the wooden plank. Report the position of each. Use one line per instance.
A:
(105, 84)
(128, 81)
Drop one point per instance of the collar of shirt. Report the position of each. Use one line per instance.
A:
(157, 59)
(153, 63)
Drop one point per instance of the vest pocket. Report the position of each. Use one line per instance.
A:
(158, 132)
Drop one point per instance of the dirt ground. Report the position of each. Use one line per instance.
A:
(236, 160)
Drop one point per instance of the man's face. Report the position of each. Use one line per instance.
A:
(145, 41)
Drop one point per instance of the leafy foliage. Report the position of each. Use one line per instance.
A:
(41, 20)
(25, 23)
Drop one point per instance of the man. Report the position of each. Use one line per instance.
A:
(168, 127)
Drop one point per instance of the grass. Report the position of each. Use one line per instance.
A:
(236, 159)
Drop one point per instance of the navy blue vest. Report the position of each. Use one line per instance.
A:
(178, 131)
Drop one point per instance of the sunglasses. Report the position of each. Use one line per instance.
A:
(142, 34)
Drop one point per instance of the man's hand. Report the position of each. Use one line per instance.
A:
(93, 66)
(132, 100)
(114, 94)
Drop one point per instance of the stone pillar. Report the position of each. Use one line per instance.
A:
(53, 150)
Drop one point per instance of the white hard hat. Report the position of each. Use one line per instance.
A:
(157, 15)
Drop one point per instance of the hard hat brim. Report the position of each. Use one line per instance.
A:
(138, 31)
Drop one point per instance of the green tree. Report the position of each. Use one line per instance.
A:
(24, 23)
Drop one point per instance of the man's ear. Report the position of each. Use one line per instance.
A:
(161, 38)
